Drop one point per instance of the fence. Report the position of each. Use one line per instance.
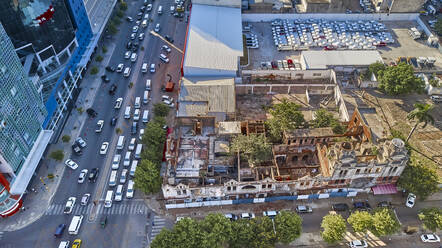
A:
(332, 17)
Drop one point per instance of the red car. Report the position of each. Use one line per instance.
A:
(328, 48)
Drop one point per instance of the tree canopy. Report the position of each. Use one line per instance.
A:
(400, 79)
(147, 177)
(161, 109)
(361, 221)
(431, 218)
(285, 116)
(216, 229)
(253, 146)
(438, 26)
(323, 118)
(333, 228)
(419, 178)
(385, 222)
(288, 226)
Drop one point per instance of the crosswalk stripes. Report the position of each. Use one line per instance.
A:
(123, 208)
(1, 235)
(158, 224)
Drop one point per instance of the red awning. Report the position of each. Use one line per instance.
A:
(385, 189)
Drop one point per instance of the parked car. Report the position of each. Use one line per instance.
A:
(105, 79)
(152, 68)
(168, 38)
(120, 68)
(80, 141)
(384, 204)
(304, 209)
(271, 214)
(71, 164)
(340, 207)
(112, 89)
(93, 174)
(104, 147)
(362, 206)
(135, 28)
(166, 48)
(69, 205)
(411, 199)
(110, 68)
(123, 176)
(85, 199)
(157, 27)
(127, 54)
(82, 176)
(91, 112)
(118, 103)
(100, 124)
(247, 216)
(358, 244)
(113, 121)
(430, 238)
(149, 7)
(231, 217)
(77, 149)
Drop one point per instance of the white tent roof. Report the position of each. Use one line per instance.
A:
(323, 59)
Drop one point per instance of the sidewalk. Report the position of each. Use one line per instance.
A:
(37, 202)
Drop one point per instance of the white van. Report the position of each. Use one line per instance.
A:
(144, 68)
(119, 193)
(120, 143)
(127, 72)
(137, 114)
(138, 151)
(75, 225)
(126, 161)
(108, 200)
(116, 162)
(146, 16)
(130, 189)
(160, 10)
(144, 22)
(113, 178)
(137, 102)
(146, 97)
(127, 113)
(133, 167)
(64, 244)
(148, 84)
(145, 116)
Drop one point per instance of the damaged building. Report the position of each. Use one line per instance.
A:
(315, 161)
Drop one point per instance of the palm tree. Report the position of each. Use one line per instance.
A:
(420, 112)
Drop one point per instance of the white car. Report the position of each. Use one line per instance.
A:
(141, 134)
(120, 68)
(157, 27)
(152, 68)
(118, 103)
(82, 176)
(247, 216)
(133, 57)
(71, 164)
(168, 103)
(119, 193)
(80, 141)
(130, 189)
(135, 29)
(149, 7)
(85, 199)
(116, 162)
(164, 58)
(166, 48)
(136, 115)
(430, 238)
(123, 176)
(132, 144)
(133, 36)
(69, 205)
(100, 124)
(141, 36)
(411, 199)
(127, 54)
(358, 244)
(104, 147)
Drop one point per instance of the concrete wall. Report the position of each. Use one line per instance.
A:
(335, 17)
(307, 74)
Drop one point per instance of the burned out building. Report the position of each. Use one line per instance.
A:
(201, 168)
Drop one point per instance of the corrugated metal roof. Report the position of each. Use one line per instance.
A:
(202, 95)
(215, 38)
(322, 59)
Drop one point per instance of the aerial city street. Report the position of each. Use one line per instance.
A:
(220, 123)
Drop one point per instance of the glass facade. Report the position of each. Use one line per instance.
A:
(40, 22)
(22, 111)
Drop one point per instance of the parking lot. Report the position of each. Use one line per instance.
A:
(403, 46)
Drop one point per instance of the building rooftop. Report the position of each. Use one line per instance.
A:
(324, 59)
(310, 132)
(229, 127)
(199, 96)
(214, 40)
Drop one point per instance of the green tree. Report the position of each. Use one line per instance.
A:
(400, 79)
(57, 155)
(253, 146)
(421, 114)
(66, 138)
(118, 130)
(120, 13)
(361, 221)
(217, 230)
(333, 228)
(147, 177)
(123, 6)
(438, 26)
(263, 233)
(188, 233)
(338, 128)
(376, 68)
(285, 116)
(323, 118)
(288, 226)
(242, 234)
(104, 49)
(112, 28)
(161, 109)
(431, 218)
(99, 58)
(385, 222)
(165, 238)
(94, 70)
(419, 178)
